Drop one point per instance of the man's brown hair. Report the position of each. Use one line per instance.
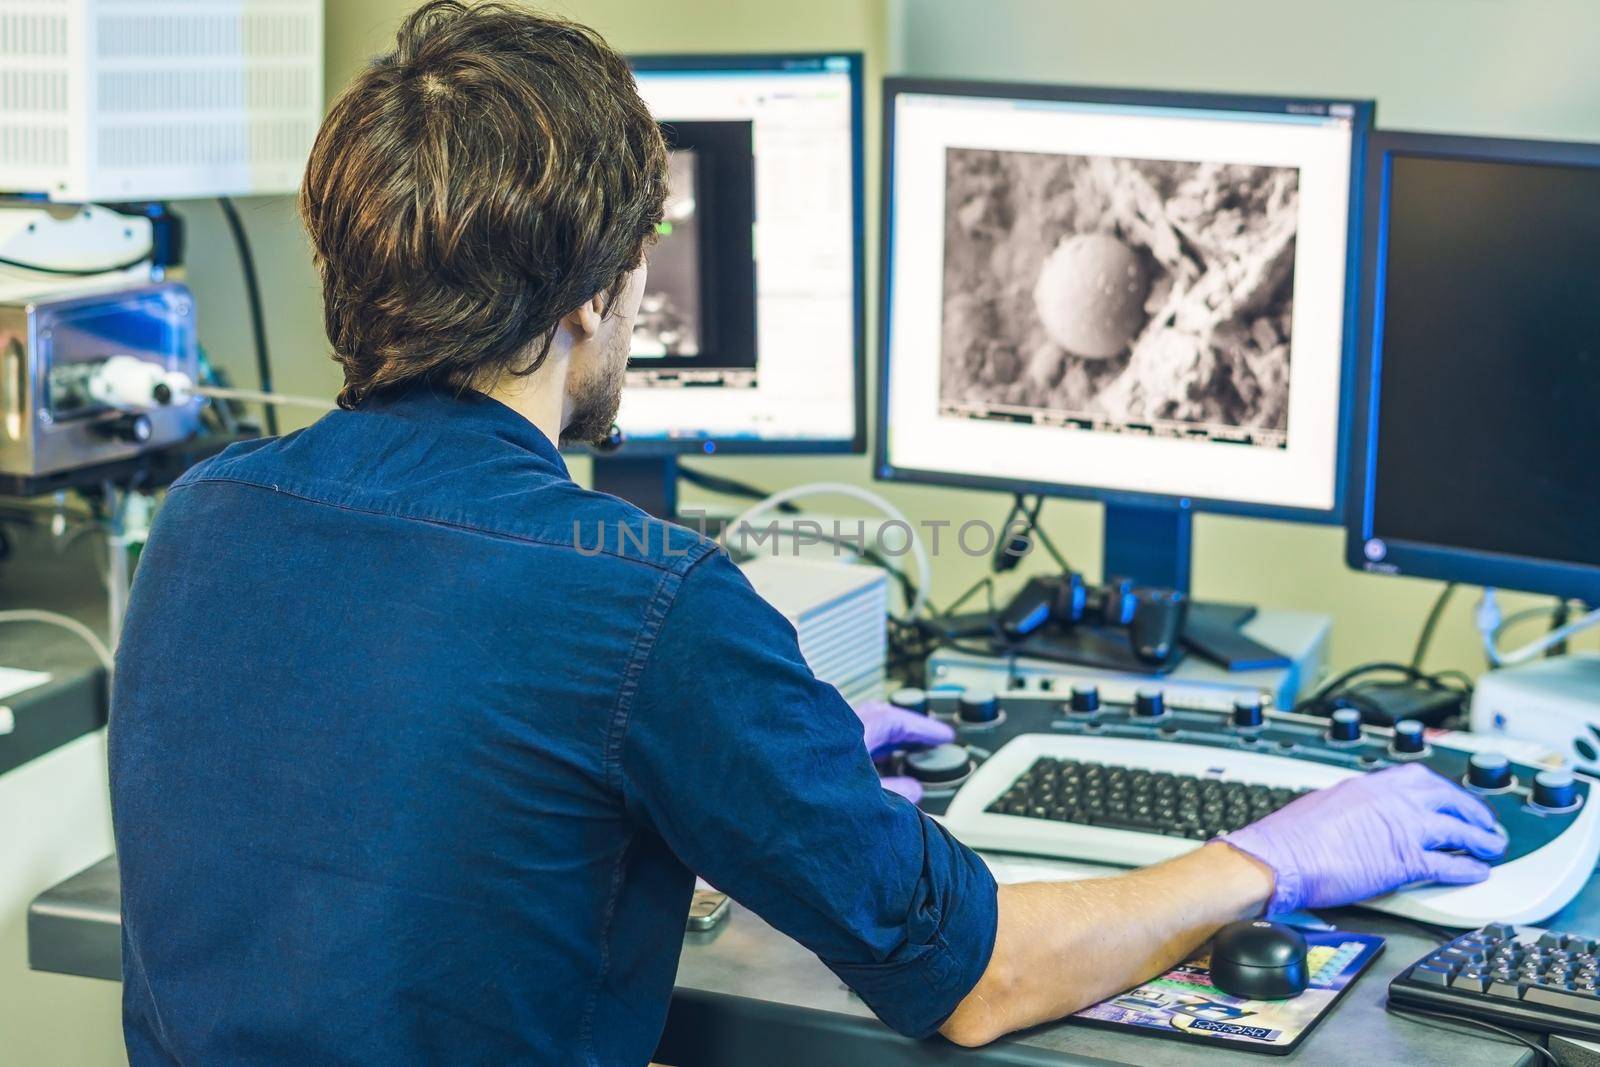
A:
(472, 187)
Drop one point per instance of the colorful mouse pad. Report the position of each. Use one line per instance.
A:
(1184, 1004)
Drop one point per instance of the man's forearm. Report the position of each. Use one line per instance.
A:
(1061, 946)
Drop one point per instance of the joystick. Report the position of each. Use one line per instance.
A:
(1157, 624)
(978, 707)
(1489, 771)
(1153, 617)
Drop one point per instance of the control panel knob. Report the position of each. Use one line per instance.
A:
(938, 765)
(910, 699)
(1488, 770)
(1345, 725)
(1149, 703)
(1408, 738)
(133, 428)
(1554, 789)
(1247, 714)
(1085, 699)
(978, 706)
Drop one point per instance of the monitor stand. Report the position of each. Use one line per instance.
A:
(1154, 545)
(648, 482)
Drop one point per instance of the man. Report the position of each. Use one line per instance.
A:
(404, 774)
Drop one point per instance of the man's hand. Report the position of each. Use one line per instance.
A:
(889, 728)
(1061, 947)
(1372, 834)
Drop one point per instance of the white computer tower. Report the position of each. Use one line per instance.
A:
(120, 100)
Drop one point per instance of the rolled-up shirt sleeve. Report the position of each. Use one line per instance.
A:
(756, 775)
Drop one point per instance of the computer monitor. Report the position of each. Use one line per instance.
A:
(751, 335)
(1477, 449)
(1138, 297)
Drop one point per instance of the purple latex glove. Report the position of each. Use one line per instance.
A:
(1372, 834)
(889, 728)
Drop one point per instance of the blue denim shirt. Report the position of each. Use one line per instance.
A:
(407, 771)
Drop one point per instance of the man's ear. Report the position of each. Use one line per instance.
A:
(584, 320)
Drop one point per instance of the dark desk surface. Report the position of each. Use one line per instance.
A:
(748, 994)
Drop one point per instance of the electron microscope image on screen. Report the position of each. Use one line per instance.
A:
(669, 313)
(1122, 295)
(697, 318)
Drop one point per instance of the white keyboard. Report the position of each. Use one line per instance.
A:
(1524, 889)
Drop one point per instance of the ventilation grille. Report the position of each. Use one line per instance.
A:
(33, 147)
(206, 36)
(159, 99)
(164, 146)
(35, 91)
(274, 88)
(33, 35)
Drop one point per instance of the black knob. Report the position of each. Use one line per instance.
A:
(1247, 712)
(944, 763)
(1554, 789)
(1408, 738)
(1149, 703)
(1488, 770)
(911, 699)
(162, 393)
(133, 428)
(1085, 699)
(978, 706)
(1345, 725)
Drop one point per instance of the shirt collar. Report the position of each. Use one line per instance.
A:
(468, 411)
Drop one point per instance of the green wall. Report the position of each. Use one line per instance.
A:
(1491, 66)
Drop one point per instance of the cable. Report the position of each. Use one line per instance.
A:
(74, 272)
(1339, 685)
(267, 400)
(51, 618)
(1467, 1020)
(1530, 651)
(918, 550)
(1425, 638)
(718, 483)
(252, 288)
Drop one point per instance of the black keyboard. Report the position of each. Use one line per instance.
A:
(1517, 976)
(1133, 798)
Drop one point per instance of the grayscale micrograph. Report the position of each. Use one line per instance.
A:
(1119, 293)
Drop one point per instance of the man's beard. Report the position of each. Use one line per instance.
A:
(598, 396)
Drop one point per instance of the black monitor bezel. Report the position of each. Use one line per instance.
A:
(856, 444)
(1363, 113)
(1410, 558)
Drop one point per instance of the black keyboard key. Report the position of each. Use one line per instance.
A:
(1427, 974)
(1579, 1003)
(1470, 982)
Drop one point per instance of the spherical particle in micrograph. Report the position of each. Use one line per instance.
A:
(1091, 295)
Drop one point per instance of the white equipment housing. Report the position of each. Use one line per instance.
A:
(1555, 702)
(840, 614)
(121, 100)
